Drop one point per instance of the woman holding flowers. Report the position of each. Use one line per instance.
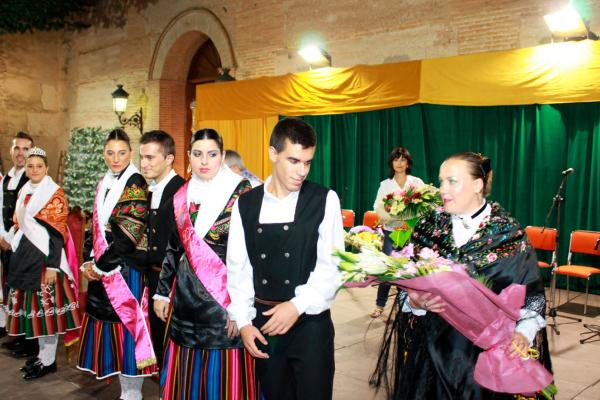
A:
(432, 359)
(400, 166)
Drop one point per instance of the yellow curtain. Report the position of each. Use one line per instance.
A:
(319, 92)
(249, 137)
(246, 111)
(564, 72)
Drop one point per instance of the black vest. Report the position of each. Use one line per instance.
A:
(10, 200)
(160, 223)
(283, 254)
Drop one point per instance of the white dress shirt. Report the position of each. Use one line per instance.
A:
(313, 297)
(389, 186)
(157, 189)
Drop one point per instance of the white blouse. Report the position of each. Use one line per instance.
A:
(389, 186)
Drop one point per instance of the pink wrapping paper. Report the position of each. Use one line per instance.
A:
(488, 320)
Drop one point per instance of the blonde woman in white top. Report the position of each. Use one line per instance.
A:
(400, 164)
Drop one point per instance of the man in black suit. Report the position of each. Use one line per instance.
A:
(11, 185)
(157, 153)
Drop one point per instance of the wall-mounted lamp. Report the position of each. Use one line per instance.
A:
(568, 25)
(225, 76)
(315, 56)
(120, 105)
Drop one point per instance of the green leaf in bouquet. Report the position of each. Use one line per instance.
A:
(346, 256)
(401, 236)
(550, 391)
(348, 266)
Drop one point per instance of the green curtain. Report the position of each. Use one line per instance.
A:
(529, 147)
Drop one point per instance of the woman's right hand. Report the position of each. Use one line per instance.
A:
(426, 301)
(161, 308)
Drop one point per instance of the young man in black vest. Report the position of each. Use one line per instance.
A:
(157, 153)
(281, 275)
(11, 185)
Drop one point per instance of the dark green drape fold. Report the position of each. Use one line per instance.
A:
(529, 147)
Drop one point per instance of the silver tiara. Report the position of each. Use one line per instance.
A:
(36, 151)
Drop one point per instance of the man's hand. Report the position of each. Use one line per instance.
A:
(249, 334)
(161, 308)
(50, 277)
(4, 245)
(283, 317)
(88, 271)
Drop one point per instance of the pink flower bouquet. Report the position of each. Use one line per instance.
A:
(485, 318)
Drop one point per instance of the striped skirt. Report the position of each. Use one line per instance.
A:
(107, 348)
(54, 309)
(207, 374)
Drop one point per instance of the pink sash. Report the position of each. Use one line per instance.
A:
(207, 265)
(73, 261)
(132, 314)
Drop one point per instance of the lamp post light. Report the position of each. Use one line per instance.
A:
(120, 105)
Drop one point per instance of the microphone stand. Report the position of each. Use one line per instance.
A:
(552, 312)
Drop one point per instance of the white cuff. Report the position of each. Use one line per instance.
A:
(161, 298)
(242, 322)
(529, 324)
(406, 307)
(104, 273)
(300, 304)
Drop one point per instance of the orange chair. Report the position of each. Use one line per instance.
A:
(370, 219)
(542, 239)
(585, 242)
(348, 218)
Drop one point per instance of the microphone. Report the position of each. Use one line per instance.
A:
(568, 171)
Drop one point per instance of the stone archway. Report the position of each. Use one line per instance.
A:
(168, 106)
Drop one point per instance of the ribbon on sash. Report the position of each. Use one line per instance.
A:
(207, 265)
(131, 313)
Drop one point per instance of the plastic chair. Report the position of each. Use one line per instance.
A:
(542, 239)
(545, 239)
(370, 219)
(583, 242)
(348, 218)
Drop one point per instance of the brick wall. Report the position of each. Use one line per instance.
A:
(52, 82)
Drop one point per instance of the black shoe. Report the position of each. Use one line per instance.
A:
(29, 364)
(13, 345)
(22, 353)
(38, 370)
(2, 332)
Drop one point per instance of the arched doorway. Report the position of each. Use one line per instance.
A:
(191, 49)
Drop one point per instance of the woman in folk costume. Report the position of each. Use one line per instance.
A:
(204, 356)
(431, 359)
(42, 276)
(115, 338)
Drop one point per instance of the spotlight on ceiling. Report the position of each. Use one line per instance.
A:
(568, 25)
(315, 56)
